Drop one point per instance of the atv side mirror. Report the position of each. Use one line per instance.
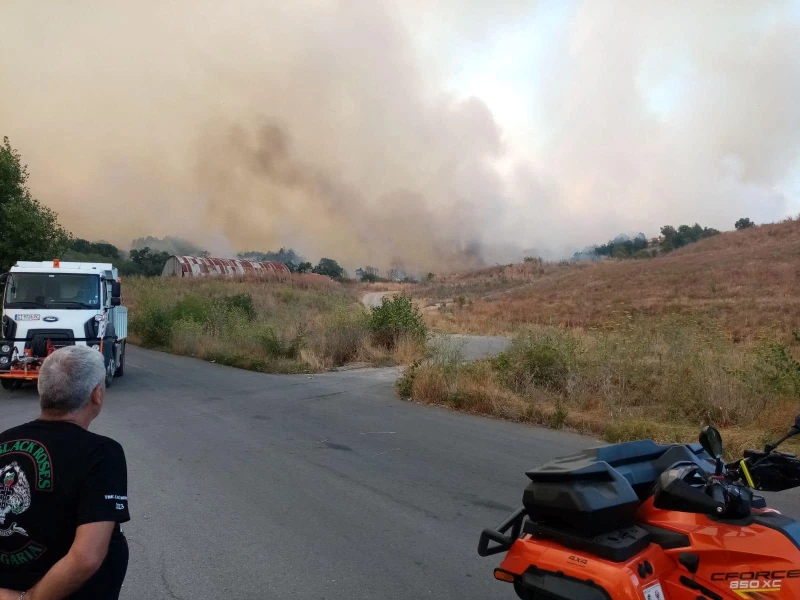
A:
(711, 440)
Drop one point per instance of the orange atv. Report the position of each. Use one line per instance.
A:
(642, 521)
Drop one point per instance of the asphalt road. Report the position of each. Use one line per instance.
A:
(253, 487)
(469, 347)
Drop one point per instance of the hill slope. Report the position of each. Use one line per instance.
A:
(747, 281)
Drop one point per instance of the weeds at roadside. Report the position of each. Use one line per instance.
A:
(644, 378)
(286, 326)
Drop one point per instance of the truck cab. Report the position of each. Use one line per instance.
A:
(48, 305)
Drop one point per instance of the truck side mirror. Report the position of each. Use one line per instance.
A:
(116, 301)
(116, 290)
(3, 279)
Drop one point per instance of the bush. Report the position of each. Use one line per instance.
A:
(193, 309)
(274, 347)
(241, 302)
(405, 384)
(777, 370)
(155, 326)
(396, 318)
(543, 359)
(343, 334)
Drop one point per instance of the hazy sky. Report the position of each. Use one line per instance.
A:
(376, 131)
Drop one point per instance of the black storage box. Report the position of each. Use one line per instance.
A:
(580, 496)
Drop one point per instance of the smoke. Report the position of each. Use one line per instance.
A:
(333, 126)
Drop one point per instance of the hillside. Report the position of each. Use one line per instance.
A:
(746, 281)
(650, 348)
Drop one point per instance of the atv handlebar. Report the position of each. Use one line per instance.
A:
(717, 491)
(766, 471)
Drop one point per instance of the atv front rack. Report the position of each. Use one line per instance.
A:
(500, 536)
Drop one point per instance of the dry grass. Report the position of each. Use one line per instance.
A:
(746, 281)
(632, 349)
(274, 323)
(652, 378)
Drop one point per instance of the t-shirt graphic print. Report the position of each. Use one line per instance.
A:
(54, 477)
(15, 497)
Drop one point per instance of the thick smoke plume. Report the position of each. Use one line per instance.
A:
(327, 125)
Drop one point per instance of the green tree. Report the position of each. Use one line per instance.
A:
(672, 238)
(303, 267)
(744, 223)
(28, 229)
(149, 263)
(329, 267)
(84, 250)
(395, 319)
(169, 244)
(284, 255)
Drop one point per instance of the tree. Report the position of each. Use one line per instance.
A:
(149, 263)
(368, 274)
(303, 267)
(284, 255)
(28, 229)
(84, 250)
(744, 223)
(170, 245)
(672, 238)
(330, 268)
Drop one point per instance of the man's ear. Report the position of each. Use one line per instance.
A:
(98, 395)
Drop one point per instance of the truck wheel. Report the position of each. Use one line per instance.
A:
(121, 366)
(110, 368)
(7, 384)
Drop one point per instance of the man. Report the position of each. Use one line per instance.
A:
(63, 491)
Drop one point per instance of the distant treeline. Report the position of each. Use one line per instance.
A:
(148, 255)
(144, 261)
(671, 238)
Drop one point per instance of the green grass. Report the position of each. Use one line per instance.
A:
(291, 324)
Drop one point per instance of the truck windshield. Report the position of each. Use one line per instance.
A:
(52, 290)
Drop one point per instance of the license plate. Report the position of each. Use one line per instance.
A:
(654, 592)
(26, 317)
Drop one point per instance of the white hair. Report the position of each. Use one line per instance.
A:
(68, 377)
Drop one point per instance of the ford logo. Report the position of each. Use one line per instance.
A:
(50, 319)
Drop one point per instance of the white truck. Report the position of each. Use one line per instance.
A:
(48, 305)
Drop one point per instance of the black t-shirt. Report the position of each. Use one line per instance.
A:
(55, 476)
